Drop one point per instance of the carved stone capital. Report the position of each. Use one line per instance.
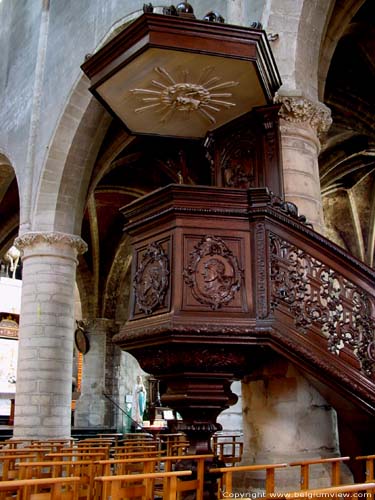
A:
(298, 109)
(30, 239)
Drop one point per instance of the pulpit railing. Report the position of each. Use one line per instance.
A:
(318, 300)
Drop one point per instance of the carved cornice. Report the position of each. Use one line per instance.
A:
(201, 359)
(298, 109)
(30, 239)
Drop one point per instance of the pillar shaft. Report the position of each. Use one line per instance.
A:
(92, 407)
(44, 374)
(301, 123)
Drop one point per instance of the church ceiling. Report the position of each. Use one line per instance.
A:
(347, 160)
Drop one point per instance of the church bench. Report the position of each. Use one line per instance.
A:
(86, 470)
(334, 463)
(140, 485)
(138, 454)
(369, 460)
(149, 464)
(15, 443)
(9, 465)
(77, 455)
(226, 476)
(343, 491)
(229, 452)
(58, 488)
(104, 450)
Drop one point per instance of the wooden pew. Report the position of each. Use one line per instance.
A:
(140, 485)
(86, 470)
(15, 443)
(334, 463)
(137, 454)
(169, 440)
(153, 464)
(77, 455)
(9, 465)
(344, 491)
(226, 477)
(58, 488)
(228, 448)
(136, 446)
(370, 459)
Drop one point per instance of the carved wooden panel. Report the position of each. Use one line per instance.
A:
(246, 153)
(151, 283)
(213, 274)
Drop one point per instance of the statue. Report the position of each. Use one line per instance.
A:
(139, 401)
(12, 257)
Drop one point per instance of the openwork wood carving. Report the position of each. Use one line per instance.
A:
(318, 296)
(151, 280)
(213, 273)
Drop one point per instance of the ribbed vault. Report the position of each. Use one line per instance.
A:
(347, 161)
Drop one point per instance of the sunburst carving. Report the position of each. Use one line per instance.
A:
(169, 96)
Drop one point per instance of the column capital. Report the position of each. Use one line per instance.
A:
(299, 109)
(34, 238)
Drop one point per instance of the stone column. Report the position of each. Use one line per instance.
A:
(44, 375)
(93, 409)
(301, 123)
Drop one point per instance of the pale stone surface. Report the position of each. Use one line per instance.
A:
(286, 419)
(44, 374)
(10, 293)
(91, 406)
(231, 419)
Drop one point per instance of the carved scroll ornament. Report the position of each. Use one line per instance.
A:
(319, 296)
(151, 280)
(213, 273)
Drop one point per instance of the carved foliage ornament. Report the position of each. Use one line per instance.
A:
(151, 280)
(318, 296)
(51, 238)
(213, 273)
(299, 109)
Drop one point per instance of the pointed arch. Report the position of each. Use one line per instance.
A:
(9, 203)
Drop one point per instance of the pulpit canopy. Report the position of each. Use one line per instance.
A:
(180, 77)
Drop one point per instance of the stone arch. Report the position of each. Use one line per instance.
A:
(300, 26)
(64, 183)
(9, 196)
(337, 24)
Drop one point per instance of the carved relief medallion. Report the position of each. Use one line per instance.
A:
(213, 273)
(151, 279)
